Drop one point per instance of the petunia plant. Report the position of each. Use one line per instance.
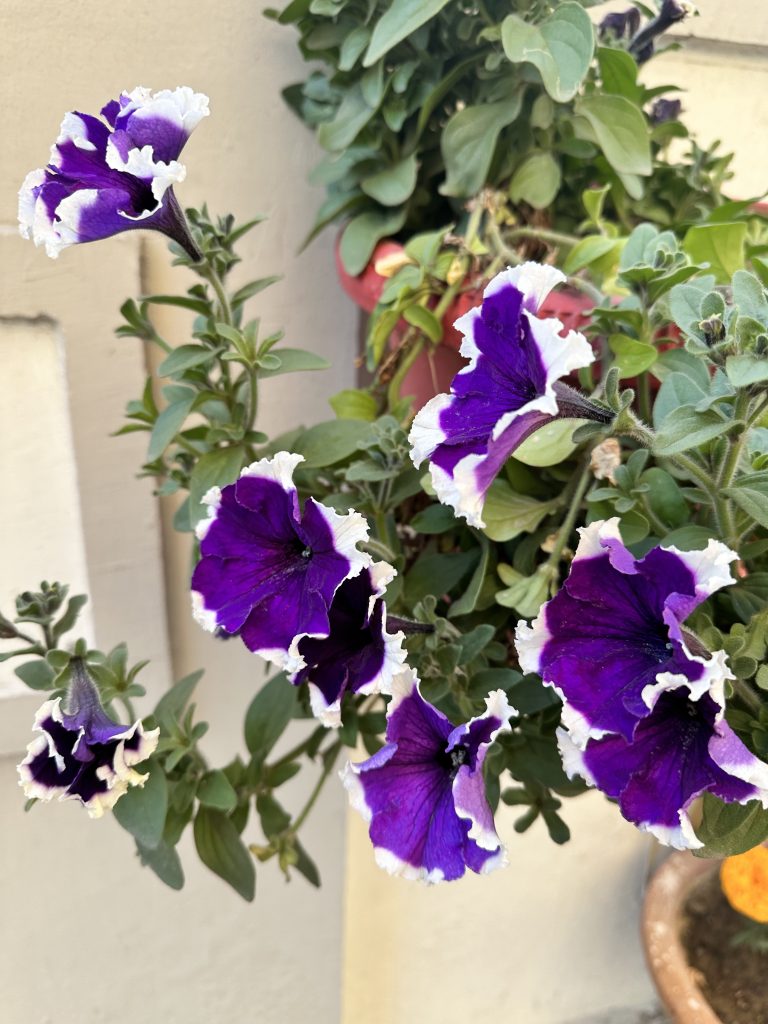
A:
(549, 576)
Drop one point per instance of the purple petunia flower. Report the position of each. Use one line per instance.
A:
(269, 571)
(665, 110)
(81, 753)
(509, 389)
(424, 793)
(358, 655)
(612, 638)
(681, 749)
(114, 173)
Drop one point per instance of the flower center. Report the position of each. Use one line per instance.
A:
(452, 760)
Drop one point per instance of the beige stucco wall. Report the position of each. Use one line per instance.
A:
(87, 936)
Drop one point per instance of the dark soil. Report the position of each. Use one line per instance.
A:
(734, 979)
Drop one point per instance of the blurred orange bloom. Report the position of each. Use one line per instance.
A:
(744, 880)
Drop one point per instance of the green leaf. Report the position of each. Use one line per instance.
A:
(720, 246)
(437, 574)
(215, 790)
(751, 494)
(684, 428)
(354, 404)
(165, 863)
(214, 469)
(434, 519)
(294, 360)
(526, 594)
(141, 811)
(749, 296)
(590, 250)
(467, 603)
(664, 497)
(393, 185)
(353, 46)
(169, 423)
(536, 181)
(560, 47)
(618, 71)
(400, 19)
(221, 849)
(632, 356)
(620, 130)
(184, 358)
(548, 445)
(170, 708)
(37, 675)
(305, 865)
(363, 232)
(745, 369)
(268, 714)
(729, 829)
(274, 818)
(677, 390)
(199, 306)
(69, 618)
(253, 288)
(425, 320)
(353, 115)
(508, 514)
(328, 443)
(468, 143)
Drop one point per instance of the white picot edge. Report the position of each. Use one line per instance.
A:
(141, 163)
(182, 106)
(73, 129)
(34, 219)
(681, 837)
(572, 756)
(711, 567)
(395, 654)
(559, 355)
(28, 204)
(496, 706)
(119, 776)
(747, 767)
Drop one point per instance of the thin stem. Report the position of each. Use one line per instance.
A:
(128, 705)
(294, 752)
(253, 398)
(330, 759)
(544, 235)
(221, 293)
(723, 510)
(746, 694)
(644, 396)
(580, 488)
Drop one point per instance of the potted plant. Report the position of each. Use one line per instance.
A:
(478, 124)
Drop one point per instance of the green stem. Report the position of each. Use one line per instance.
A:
(723, 510)
(544, 235)
(253, 398)
(221, 293)
(128, 705)
(330, 759)
(747, 695)
(296, 751)
(644, 396)
(582, 482)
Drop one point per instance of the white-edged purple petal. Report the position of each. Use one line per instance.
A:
(682, 749)
(504, 393)
(81, 754)
(111, 174)
(268, 569)
(423, 793)
(612, 639)
(359, 655)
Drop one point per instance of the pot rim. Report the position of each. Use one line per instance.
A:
(665, 954)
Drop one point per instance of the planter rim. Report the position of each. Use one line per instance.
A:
(665, 955)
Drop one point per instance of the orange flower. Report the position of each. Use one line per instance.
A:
(744, 880)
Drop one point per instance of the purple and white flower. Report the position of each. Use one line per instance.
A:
(424, 793)
(358, 655)
(681, 749)
(509, 388)
(81, 754)
(613, 638)
(269, 571)
(115, 172)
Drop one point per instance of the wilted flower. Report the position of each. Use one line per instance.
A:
(81, 753)
(682, 748)
(665, 110)
(509, 389)
(612, 638)
(424, 793)
(358, 655)
(269, 571)
(620, 24)
(114, 173)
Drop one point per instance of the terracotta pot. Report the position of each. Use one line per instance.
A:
(665, 900)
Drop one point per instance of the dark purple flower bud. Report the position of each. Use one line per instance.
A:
(424, 793)
(81, 753)
(268, 569)
(507, 391)
(621, 24)
(114, 173)
(359, 655)
(665, 110)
